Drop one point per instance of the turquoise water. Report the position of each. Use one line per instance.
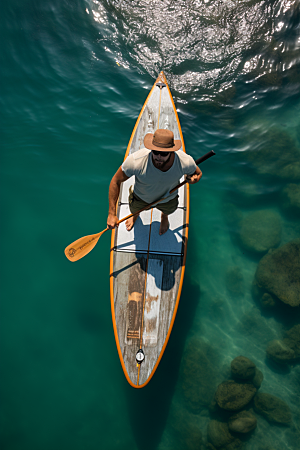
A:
(74, 78)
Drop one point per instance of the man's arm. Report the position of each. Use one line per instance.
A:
(113, 195)
(195, 177)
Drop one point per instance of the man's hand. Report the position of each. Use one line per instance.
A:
(112, 221)
(193, 179)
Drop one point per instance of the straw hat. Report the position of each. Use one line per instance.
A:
(162, 140)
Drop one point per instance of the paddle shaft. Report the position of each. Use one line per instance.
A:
(84, 245)
(198, 161)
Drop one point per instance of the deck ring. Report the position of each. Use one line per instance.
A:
(140, 356)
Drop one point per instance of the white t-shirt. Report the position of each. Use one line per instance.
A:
(151, 183)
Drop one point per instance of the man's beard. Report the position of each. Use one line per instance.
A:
(162, 164)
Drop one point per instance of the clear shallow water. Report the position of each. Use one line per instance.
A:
(74, 78)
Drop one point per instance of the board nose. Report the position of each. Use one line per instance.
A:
(161, 78)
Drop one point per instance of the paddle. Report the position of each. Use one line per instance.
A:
(78, 249)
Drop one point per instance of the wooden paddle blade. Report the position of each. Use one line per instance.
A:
(82, 246)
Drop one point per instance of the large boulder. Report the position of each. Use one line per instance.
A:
(272, 408)
(260, 231)
(242, 422)
(279, 352)
(233, 396)
(242, 368)
(199, 374)
(278, 273)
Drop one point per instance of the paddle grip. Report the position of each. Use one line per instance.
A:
(198, 161)
(204, 157)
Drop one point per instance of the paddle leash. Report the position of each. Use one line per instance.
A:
(78, 249)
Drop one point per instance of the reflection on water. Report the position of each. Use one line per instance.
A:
(203, 46)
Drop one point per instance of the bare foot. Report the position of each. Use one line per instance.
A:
(164, 224)
(130, 222)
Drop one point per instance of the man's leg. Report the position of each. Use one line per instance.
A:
(130, 222)
(164, 224)
(135, 204)
(166, 209)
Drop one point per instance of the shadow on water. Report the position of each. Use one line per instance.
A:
(148, 408)
(287, 315)
(282, 369)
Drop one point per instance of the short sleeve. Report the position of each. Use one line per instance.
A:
(187, 163)
(192, 167)
(128, 166)
(133, 164)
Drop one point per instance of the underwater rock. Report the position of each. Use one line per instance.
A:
(291, 172)
(218, 433)
(209, 446)
(272, 408)
(199, 374)
(278, 273)
(258, 378)
(245, 191)
(186, 428)
(287, 350)
(292, 339)
(234, 281)
(279, 352)
(291, 198)
(242, 422)
(273, 151)
(242, 368)
(260, 231)
(267, 301)
(233, 396)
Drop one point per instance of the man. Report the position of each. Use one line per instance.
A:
(157, 168)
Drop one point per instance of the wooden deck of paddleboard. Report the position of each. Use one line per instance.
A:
(146, 269)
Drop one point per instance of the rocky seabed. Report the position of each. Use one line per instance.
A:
(239, 383)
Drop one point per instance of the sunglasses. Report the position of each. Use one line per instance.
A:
(156, 153)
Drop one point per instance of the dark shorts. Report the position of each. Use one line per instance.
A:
(135, 204)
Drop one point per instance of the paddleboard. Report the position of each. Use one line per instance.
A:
(146, 269)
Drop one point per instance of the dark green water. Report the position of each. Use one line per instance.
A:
(74, 76)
